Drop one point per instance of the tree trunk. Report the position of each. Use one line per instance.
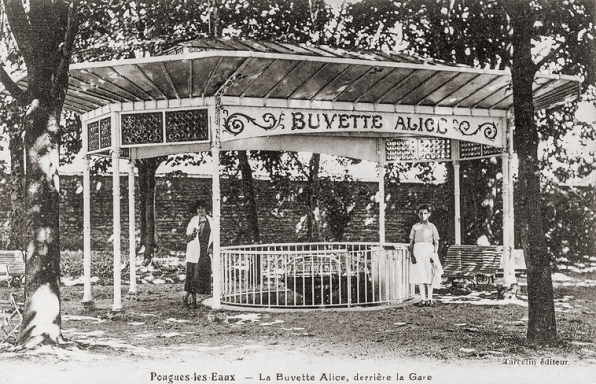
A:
(142, 191)
(42, 321)
(250, 204)
(314, 216)
(17, 179)
(541, 324)
(147, 169)
(44, 32)
(250, 209)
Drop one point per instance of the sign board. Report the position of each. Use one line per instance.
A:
(248, 122)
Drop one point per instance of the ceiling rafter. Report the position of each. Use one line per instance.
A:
(133, 83)
(296, 65)
(103, 80)
(322, 88)
(169, 80)
(457, 89)
(115, 96)
(396, 86)
(142, 72)
(257, 77)
(373, 85)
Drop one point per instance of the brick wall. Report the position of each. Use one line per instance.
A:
(281, 216)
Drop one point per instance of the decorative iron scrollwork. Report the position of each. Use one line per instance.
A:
(489, 129)
(234, 124)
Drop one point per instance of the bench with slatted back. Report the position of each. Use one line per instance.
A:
(473, 263)
(15, 262)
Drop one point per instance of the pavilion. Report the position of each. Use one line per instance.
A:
(218, 94)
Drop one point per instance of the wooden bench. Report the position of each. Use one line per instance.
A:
(15, 265)
(478, 264)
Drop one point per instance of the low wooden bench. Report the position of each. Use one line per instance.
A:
(478, 264)
(472, 263)
(15, 265)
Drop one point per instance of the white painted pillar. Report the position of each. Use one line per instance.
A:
(87, 299)
(456, 190)
(508, 266)
(381, 175)
(512, 161)
(457, 198)
(117, 306)
(511, 205)
(216, 202)
(131, 228)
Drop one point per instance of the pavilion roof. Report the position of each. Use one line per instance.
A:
(269, 70)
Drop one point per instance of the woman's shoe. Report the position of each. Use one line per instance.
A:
(430, 303)
(421, 303)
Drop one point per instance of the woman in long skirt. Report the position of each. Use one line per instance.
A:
(198, 260)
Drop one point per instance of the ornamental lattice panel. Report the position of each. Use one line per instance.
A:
(142, 128)
(490, 150)
(418, 149)
(187, 125)
(105, 136)
(469, 150)
(93, 135)
(434, 149)
(404, 149)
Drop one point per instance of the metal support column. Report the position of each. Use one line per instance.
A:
(132, 290)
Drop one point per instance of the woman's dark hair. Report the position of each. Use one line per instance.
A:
(199, 203)
(424, 206)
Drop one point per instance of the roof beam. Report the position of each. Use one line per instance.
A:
(115, 96)
(169, 79)
(152, 82)
(102, 80)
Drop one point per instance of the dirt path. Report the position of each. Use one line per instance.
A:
(257, 364)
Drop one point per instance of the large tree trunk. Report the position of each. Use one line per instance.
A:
(42, 319)
(314, 215)
(147, 170)
(44, 32)
(250, 209)
(541, 325)
(17, 178)
(250, 204)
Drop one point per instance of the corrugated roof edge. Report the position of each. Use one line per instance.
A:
(240, 44)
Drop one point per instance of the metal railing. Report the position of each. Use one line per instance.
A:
(317, 275)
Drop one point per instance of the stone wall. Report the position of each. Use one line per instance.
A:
(281, 215)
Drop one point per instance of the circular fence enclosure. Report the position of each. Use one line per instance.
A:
(315, 275)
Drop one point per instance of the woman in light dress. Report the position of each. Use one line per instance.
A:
(425, 268)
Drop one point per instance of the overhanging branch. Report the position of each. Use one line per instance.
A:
(72, 24)
(12, 87)
(20, 28)
(549, 57)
